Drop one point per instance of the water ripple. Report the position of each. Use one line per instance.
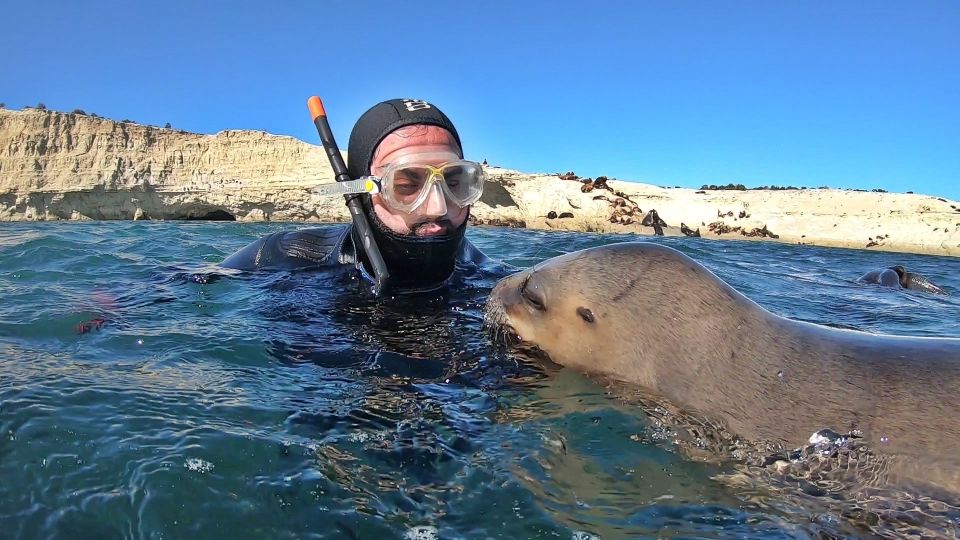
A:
(208, 403)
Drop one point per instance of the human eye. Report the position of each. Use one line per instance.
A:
(455, 174)
(408, 181)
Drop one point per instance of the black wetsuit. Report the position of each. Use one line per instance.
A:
(332, 246)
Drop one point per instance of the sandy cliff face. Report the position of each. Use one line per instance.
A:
(827, 217)
(69, 166)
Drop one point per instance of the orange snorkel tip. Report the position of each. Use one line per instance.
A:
(316, 108)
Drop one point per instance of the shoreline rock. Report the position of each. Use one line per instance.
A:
(71, 166)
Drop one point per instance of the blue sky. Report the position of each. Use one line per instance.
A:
(845, 94)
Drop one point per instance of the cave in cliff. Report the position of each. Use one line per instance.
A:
(212, 215)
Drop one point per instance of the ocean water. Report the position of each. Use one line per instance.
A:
(142, 397)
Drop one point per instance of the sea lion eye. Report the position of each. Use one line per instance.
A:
(532, 295)
(585, 314)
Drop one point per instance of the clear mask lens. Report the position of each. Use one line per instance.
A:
(406, 186)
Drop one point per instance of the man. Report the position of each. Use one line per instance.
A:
(419, 216)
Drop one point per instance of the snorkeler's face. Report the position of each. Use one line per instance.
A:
(435, 215)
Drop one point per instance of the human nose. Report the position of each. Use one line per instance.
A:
(436, 202)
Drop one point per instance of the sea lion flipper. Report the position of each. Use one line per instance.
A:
(919, 283)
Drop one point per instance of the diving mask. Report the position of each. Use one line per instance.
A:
(406, 183)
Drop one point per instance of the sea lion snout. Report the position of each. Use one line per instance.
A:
(503, 298)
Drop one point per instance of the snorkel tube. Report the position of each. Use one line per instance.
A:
(381, 276)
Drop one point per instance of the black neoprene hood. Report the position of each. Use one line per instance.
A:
(415, 263)
(384, 118)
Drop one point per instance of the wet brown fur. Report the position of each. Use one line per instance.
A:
(665, 322)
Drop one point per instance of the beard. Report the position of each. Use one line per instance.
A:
(415, 260)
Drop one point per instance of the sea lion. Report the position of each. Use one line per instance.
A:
(898, 278)
(653, 219)
(687, 231)
(649, 315)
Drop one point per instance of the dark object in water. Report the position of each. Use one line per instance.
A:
(688, 231)
(897, 277)
(95, 323)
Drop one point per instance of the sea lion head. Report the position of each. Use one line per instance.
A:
(903, 277)
(625, 309)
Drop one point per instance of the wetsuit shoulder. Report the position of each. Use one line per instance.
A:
(471, 256)
(470, 253)
(291, 250)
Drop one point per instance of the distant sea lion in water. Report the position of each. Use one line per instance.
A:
(898, 277)
(649, 315)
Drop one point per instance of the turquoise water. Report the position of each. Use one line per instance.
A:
(141, 399)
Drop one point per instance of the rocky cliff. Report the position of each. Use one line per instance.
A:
(73, 166)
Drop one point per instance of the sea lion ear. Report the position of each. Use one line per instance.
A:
(586, 314)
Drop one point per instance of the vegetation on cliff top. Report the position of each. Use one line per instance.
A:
(78, 111)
